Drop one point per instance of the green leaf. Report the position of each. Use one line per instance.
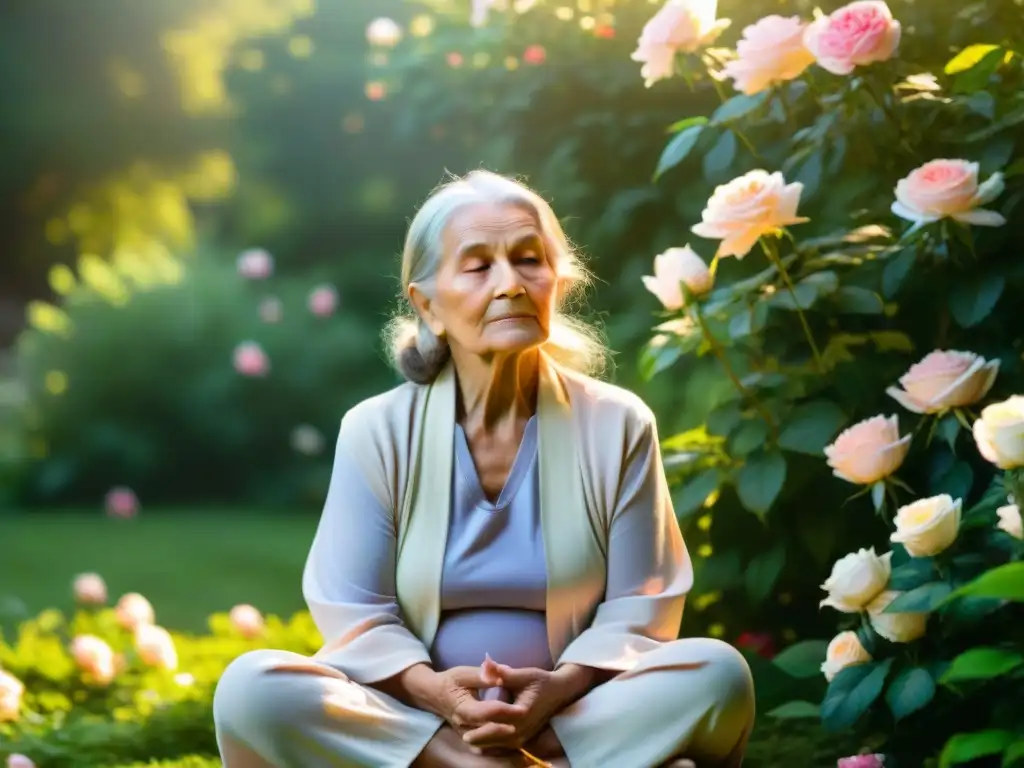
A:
(810, 174)
(657, 357)
(956, 482)
(1014, 754)
(694, 491)
(750, 435)
(1004, 583)
(811, 426)
(968, 58)
(897, 270)
(977, 77)
(760, 479)
(923, 599)
(796, 710)
(965, 747)
(764, 571)
(852, 691)
(825, 282)
(677, 149)
(854, 300)
(803, 297)
(982, 664)
(911, 690)
(912, 574)
(721, 156)
(948, 429)
(723, 570)
(739, 106)
(724, 419)
(687, 122)
(972, 299)
(803, 659)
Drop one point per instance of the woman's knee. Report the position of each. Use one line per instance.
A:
(250, 697)
(733, 682)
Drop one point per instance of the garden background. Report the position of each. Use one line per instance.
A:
(203, 204)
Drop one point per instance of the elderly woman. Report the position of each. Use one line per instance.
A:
(498, 573)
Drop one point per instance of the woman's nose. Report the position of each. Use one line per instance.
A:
(509, 284)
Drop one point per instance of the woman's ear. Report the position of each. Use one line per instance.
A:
(423, 306)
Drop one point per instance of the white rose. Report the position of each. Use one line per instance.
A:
(928, 526)
(845, 650)
(674, 268)
(856, 579)
(11, 691)
(999, 433)
(1010, 521)
(895, 627)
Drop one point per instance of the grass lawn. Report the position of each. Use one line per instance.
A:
(188, 563)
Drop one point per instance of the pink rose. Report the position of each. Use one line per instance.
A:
(942, 189)
(323, 301)
(19, 761)
(121, 502)
(247, 620)
(535, 55)
(156, 647)
(680, 26)
(11, 691)
(869, 451)
(676, 267)
(745, 209)
(94, 658)
(134, 610)
(771, 51)
(90, 589)
(250, 360)
(860, 33)
(943, 380)
(255, 264)
(862, 761)
(271, 310)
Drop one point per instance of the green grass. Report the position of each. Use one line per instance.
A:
(188, 563)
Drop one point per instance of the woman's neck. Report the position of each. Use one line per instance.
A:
(498, 392)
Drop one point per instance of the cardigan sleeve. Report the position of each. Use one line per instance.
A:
(349, 578)
(649, 571)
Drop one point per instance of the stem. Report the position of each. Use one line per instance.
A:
(780, 92)
(746, 142)
(773, 257)
(719, 352)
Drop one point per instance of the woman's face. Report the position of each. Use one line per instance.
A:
(496, 289)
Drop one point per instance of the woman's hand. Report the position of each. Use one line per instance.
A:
(460, 705)
(541, 693)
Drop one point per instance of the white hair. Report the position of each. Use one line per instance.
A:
(420, 355)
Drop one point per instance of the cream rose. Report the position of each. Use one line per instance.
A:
(942, 189)
(133, 610)
(676, 267)
(770, 51)
(999, 433)
(247, 620)
(869, 451)
(94, 658)
(856, 580)
(895, 627)
(681, 26)
(943, 380)
(155, 647)
(860, 33)
(928, 526)
(844, 651)
(1010, 520)
(745, 209)
(11, 691)
(90, 589)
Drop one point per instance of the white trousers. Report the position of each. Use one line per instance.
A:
(689, 698)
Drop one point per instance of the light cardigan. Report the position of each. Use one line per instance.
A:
(618, 570)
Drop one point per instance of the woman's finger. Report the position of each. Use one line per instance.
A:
(480, 712)
(491, 735)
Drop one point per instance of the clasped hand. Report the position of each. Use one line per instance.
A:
(537, 696)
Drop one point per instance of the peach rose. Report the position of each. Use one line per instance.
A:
(323, 301)
(844, 651)
(255, 264)
(133, 610)
(121, 502)
(1010, 520)
(680, 26)
(94, 658)
(247, 620)
(250, 360)
(155, 647)
(895, 627)
(856, 580)
(750, 206)
(860, 33)
(771, 51)
(943, 380)
(945, 188)
(20, 761)
(928, 526)
(999, 433)
(674, 267)
(11, 691)
(869, 451)
(90, 589)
